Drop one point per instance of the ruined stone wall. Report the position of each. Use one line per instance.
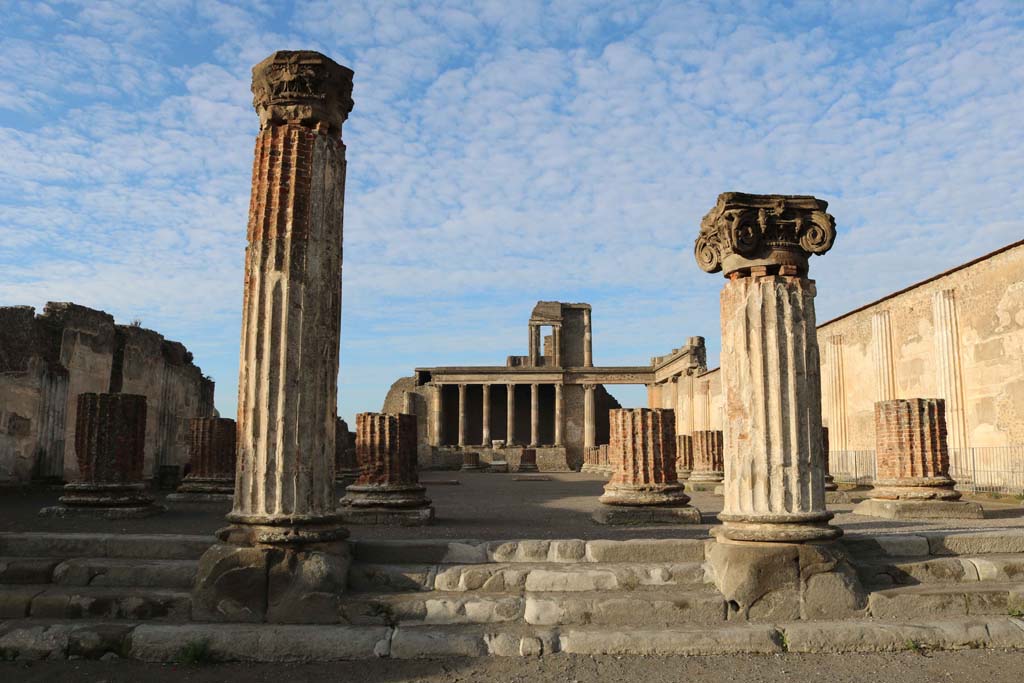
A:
(958, 336)
(46, 361)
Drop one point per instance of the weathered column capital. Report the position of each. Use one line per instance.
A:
(751, 230)
(302, 86)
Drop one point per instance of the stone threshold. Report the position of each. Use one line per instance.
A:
(170, 643)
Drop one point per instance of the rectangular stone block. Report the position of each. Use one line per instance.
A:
(646, 550)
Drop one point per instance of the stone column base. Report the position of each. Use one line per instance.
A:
(527, 467)
(786, 581)
(699, 485)
(180, 497)
(388, 516)
(385, 496)
(683, 475)
(777, 528)
(649, 514)
(201, 490)
(346, 477)
(642, 495)
(288, 583)
(111, 501)
(919, 509)
(918, 488)
(835, 496)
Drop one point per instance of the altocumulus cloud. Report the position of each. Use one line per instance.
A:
(502, 153)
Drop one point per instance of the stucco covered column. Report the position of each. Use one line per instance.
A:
(774, 468)
(534, 415)
(589, 410)
(559, 413)
(510, 414)
(462, 415)
(284, 518)
(486, 428)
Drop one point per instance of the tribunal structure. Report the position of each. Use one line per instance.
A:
(552, 400)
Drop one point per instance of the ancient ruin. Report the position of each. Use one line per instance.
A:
(346, 468)
(110, 438)
(708, 468)
(47, 360)
(644, 487)
(913, 464)
(285, 536)
(388, 489)
(211, 476)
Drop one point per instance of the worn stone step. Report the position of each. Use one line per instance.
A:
(27, 570)
(663, 608)
(531, 577)
(126, 546)
(125, 572)
(950, 569)
(437, 551)
(34, 639)
(936, 543)
(952, 600)
(66, 602)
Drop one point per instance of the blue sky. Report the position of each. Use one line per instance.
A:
(501, 153)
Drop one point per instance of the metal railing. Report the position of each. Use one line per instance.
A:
(852, 467)
(996, 469)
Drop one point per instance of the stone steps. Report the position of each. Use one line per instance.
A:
(87, 602)
(87, 571)
(936, 543)
(529, 577)
(662, 608)
(947, 600)
(951, 569)
(35, 639)
(120, 546)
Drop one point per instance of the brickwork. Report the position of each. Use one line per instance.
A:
(911, 450)
(708, 461)
(110, 442)
(212, 456)
(684, 455)
(591, 459)
(346, 468)
(642, 450)
(388, 471)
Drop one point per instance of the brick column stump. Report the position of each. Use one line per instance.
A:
(388, 490)
(912, 480)
(346, 469)
(606, 463)
(527, 460)
(708, 469)
(644, 487)
(211, 477)
(591, 459)
(684, 456)
(110, 442)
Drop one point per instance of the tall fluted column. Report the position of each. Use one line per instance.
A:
(556, 342)
(534, 345)
(462, 415)
(774, 469)
(534, 415)
(212, 449)
(288, 378)
(437, 416)
(486, 402)
(835, 391)
(588, 340)
(558, 415)
(589, 416)
(510, 414)
(708, 458)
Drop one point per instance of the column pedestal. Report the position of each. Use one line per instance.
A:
(471, 462)
(708, 469)
(913, 479)
(110, 442)
(527, 461)
(643, 487)
(212, 462)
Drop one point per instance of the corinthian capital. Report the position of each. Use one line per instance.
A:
(745, 230)
(302, 86)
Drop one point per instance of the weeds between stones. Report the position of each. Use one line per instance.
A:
(195, 653)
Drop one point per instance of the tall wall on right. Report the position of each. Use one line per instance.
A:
(957, 336)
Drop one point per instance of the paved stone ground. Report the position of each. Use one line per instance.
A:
(906, 667)
(485, 506)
